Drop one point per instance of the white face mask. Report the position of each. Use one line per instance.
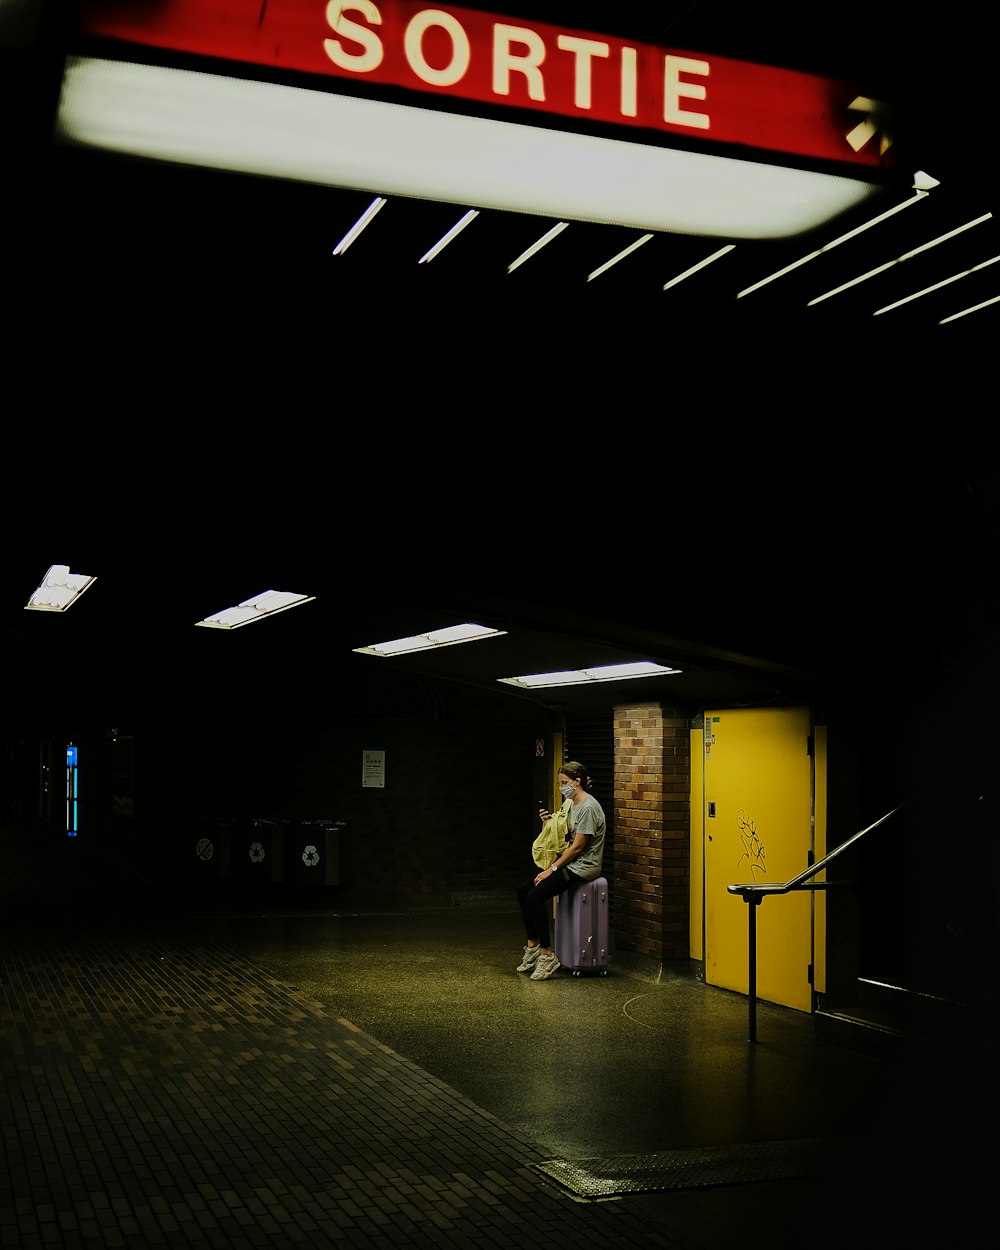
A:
(567, 790)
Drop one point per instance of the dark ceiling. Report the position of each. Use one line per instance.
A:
(783, 502)
(782, 600)
(246, 242)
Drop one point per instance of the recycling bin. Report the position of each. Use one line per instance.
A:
(315, 853)
(209, 851)
(260, 855)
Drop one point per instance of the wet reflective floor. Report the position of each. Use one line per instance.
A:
(222, 1071)
(627, 1062)
(644, 1070)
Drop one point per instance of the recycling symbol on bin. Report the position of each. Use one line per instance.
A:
(256, 852)
(204, 849)
(310, 856)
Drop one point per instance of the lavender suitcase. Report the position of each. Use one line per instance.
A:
(582, 928)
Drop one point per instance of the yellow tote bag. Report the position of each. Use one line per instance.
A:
(552, 838)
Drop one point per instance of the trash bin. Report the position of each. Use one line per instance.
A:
(209, 853)
(261, 851)
(315, 853)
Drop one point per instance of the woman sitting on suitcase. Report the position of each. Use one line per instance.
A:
(580, 860)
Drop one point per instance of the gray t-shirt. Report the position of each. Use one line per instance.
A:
(587, 818)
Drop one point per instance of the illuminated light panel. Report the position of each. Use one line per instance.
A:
(632, 247)
(583, 676)
(920, 193)
(72, 792)
(986, 303)
(363, 221)
(270, 603)
(58, 590)
(723, 251)
(924, 247)
(868, 128)
(927, 290)
(537, 246)
(445, 239)
(447, 637)
(321, 137)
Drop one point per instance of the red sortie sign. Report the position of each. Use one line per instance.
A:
(445, 50)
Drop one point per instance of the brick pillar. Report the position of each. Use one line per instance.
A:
(652, 863)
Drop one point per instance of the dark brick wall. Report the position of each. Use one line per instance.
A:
(458, 811)
(652, 830)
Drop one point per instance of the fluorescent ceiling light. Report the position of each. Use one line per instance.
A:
(987, 303)
(723, 251)
(345, 141)
(579, 677)
(58, 589)
(270, 603)
(447, 637)
(632, 247)
(924, 247)
(538, 244)
(920, 193)
(364, 220)
(955, 277)
(445, 239)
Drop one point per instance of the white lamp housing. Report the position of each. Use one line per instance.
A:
(446, 637)
(58, 590)
(580, 677)
(270, 603)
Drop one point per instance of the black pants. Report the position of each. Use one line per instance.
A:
(534, 902)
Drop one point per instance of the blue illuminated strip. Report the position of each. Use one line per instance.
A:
(72, 793)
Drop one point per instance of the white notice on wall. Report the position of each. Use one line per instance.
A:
(373, 770)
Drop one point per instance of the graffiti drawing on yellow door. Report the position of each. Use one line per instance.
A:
(758, 828)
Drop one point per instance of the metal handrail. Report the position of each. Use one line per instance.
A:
(753, 894)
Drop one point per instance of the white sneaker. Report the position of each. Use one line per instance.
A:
(529, 959)
(546, 967)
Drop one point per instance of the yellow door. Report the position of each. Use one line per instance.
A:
(758, 816)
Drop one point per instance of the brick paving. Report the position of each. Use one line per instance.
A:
(160, 1090)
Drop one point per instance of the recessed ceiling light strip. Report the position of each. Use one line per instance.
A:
(844, 238)
(365, 219)
(621, 256)
(700, 265)
(955, 277)
(584, 676)
(538, 245)
(449, 636)
(924, 247)
(259, 608)
(445, 239)
(965, 311)
(59, 589)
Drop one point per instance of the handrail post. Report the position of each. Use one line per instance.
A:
(752, 893)
(753, 902)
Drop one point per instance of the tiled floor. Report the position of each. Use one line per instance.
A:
(274, 1076)
(161, 1090)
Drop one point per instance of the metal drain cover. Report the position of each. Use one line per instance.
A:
(694, 1168)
